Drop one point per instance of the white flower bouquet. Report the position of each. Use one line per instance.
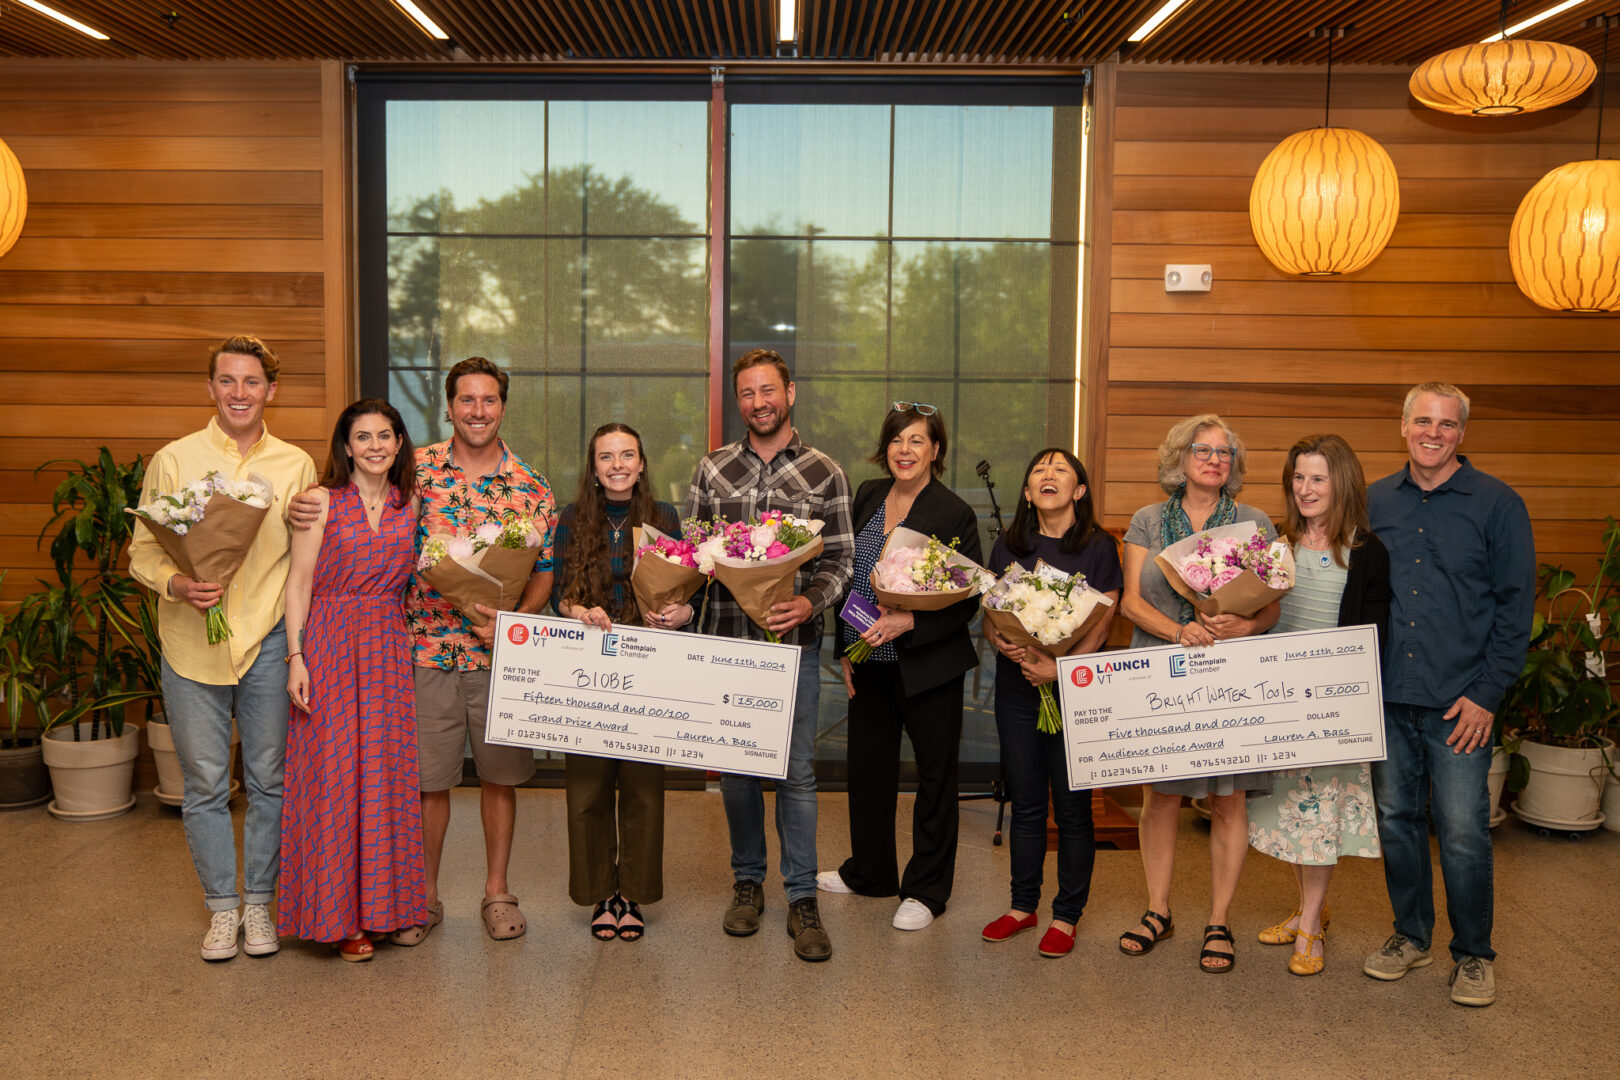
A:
(490, 566)
(1047, 609)
(207, 527)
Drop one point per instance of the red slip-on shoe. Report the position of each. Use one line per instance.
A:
(1006, 926)
(1055, 943)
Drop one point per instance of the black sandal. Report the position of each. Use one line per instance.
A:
(1217, 932)
(605, 919)
(631, 924)
(1146, 943)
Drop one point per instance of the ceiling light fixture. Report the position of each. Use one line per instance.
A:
(787, 20)
(1509, 31)
(13, 198)
(419, 17)
(65, 20)
(1156, 20)
(1564, 243)
(1502, 76)
(1324, 201)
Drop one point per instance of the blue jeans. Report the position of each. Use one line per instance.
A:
(1035, 763)
(1421, 772)
(200, 720)
(744, 798)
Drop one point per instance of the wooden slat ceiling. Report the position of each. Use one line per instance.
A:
(896, 31)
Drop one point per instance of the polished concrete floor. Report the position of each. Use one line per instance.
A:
(99, 973)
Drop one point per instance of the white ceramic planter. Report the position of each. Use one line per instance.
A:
(1565, 787)
(91, 778)
(1611, 805)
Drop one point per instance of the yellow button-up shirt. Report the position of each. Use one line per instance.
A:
(255, 600)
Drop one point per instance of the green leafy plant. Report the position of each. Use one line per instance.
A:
(74, 655)
(1562, 696)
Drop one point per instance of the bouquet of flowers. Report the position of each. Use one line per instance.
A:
(1046, 608)
(489, 566)
(1230, 569)
(921, 573)
(757, 560)
(666, 570)
(206, 527)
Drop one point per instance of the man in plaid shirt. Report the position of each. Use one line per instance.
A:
(771, 469)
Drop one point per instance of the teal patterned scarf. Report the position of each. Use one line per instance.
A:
(1174, 527)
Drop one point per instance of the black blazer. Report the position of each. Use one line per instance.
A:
(1366, 590)
(939, 646)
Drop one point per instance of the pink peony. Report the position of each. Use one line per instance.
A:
(460, 547)
(489, 532)
(776, 549)
(1198, 577)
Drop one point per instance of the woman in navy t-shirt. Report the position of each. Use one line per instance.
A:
(1054, 524)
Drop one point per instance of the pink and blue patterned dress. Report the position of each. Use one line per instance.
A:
(351, 828)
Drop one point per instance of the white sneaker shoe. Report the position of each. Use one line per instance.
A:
(259, 936)
(830, 881)
(912, 915)
(220, 941)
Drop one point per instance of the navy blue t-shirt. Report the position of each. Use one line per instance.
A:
(1098, 560)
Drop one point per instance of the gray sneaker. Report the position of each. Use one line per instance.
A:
(1473, 982)
(1399, 955)
(747, 905)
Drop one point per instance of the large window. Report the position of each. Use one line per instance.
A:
(894, 240)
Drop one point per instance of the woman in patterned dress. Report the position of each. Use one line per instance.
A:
(351, 830)
(1201, 465)
(1314, 816)
(615, 808)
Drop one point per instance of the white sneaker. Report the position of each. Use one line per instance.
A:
(912, 915)
(259, 936)
(830, 881)
(220, 941)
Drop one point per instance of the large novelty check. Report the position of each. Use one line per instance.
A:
(1277, 701)
(642, 695)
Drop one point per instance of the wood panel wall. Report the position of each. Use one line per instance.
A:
(1283, 357)
(169, 207)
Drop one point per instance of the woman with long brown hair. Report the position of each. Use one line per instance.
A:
(615, 808)
(1315, 816)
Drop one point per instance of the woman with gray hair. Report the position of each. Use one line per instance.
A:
(1201, 464)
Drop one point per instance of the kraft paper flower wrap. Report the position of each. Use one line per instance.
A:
(1228, 570)
(207, 528)
(1049, 610)
(666, 570)
(920, 573)
(757, 575)
(492, 567)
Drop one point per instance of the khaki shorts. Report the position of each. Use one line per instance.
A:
(450, 710)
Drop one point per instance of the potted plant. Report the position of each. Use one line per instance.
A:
(1561, 703)
(85, 676)
(23, 779)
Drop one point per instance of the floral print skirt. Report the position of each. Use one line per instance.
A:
(1314, 816)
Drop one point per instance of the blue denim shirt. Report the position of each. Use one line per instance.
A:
(1462, 565)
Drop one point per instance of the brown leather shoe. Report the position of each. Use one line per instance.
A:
(810, 941)
(747, 905)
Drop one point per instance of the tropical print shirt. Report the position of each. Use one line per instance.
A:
(453, 502)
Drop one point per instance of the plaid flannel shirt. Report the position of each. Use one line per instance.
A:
(736, 484)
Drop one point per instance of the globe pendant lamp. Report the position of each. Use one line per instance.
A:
(1565, 241)
(13, 198)
(1325, 201)
(1502, 77)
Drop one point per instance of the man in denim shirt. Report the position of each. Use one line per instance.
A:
(1462, 567)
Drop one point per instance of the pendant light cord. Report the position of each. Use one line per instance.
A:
(1327, 97)
(1603, 82)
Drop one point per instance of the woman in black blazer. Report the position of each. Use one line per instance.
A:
(911, 682)
(1315, 816)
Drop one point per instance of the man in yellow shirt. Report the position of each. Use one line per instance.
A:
(246, 676)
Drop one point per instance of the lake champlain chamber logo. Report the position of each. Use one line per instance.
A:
(610, 644)
(1178, 666)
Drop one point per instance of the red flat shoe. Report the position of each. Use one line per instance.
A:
(1055, 943)
(355, 950)
(1006, 926)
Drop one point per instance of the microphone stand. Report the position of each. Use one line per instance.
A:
(998, 786)
(983, 470)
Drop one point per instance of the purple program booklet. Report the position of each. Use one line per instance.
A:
(860, 612)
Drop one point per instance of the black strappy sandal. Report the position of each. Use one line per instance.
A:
(1217, 932)
(631, 925)
(605, 919)
(1145, 941)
